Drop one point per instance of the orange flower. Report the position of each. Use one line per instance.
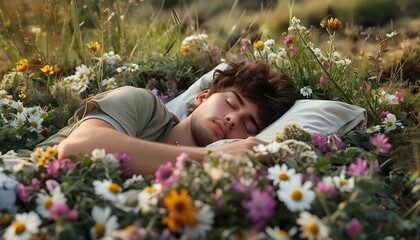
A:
(180, 210)
(93, 46)
(334, 24)
(258, 45)
(22, 65)
(185, 48)
(47, 69)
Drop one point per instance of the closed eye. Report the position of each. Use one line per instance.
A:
(230, 104)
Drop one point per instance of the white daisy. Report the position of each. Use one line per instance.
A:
(107, 189)
(23, 227)
(306, 91)
(45, 201)
(84, 73)
(373, 129)
(148, 198)
(134, 179)
(390, 123)
(296, 197)
(311, 227)
(105, 224)
(279, 174)
(111, 58)
(35, 122)
(276, 233)
(205, 218)
(133, 67)
(342, 183)
(19, 120)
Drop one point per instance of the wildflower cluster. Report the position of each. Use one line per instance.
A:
(316, 188)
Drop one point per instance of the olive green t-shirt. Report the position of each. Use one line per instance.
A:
(134, 111)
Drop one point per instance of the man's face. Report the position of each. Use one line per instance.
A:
(224, 115)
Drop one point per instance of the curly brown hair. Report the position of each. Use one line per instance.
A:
(272, 92)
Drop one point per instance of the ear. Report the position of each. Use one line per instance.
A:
(201, 97)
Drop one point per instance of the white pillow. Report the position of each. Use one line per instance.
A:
(315, 116)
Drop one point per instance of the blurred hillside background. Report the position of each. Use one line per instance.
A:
(56, 31)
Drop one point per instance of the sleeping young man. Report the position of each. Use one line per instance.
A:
(240, 102)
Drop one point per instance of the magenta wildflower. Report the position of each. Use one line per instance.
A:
(335, 142)
(360, 168)
(327, 188)
(289, 39)
(326, 64)
(51, 184)
(260, 208)
(215, 52)
(320, 142)
(323, 81)
(163, 98)
(62, 211)
(35, 183)
(380, 142)
(354, 228)
(164, 175)
(399, 96)
(125, 161)
(56, 165)
(292, 50)
(243, 186)
(383, 115)
(23, 193)
(180, 160)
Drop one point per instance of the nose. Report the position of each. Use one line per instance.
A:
(230, 120)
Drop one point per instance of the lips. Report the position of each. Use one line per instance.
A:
(219, 129)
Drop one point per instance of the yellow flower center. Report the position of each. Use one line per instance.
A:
(99, 230)
(185, 48)
(283, 176)
(20, 122)
(149, 189)
(48, 203)
(34, 124)
(80, 75)
(313, 228)
(20, 228)
(388, 124)
(297, 195)
(114, 188)
(130, 229)
(282, 233)
(344, 182)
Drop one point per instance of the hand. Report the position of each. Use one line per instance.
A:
(240, 147)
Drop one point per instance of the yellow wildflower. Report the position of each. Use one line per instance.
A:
(47, 69)
(22, 65)
(258, 45)
(93, 46)
(334, 24)
(185, 48)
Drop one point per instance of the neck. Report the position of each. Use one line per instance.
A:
(181, 134)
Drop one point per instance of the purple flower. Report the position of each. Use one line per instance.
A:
(354, 228)
(326, 64)
(164, 175)
(243, 186)
(292, 50)
(382, 115)
(180, 160)
(35, 183)
(62, 211)
(56, 165)
(260, 208)
(326, 187)
(320, 142)
(359, 168)
(288, 39)
(51, 184)
(125, 161)
(335, 142)
(215, 50)
(323, 81)
(380, 142)
(22, 193)
(399, 96)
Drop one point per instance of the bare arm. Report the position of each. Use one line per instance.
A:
(146, 156)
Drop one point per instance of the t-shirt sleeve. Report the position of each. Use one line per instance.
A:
(137, 110)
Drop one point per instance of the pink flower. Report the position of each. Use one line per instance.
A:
(380, 142)
(320, 142)
(399, 96)
(35, 183)
(125, 160)
(51, 184)
(326, 64)
(215, 52)
(382, 115)
(260, 208)
(335, 142)
(292, 50)
(164, 175)
(326, 187)
(180, 160)
(323, 81)
(288, 39)
(23, 192)
(56, 165)
(354, 228)
(62, 211)
(359, 168)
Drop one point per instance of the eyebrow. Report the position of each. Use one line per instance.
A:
(242, 103)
